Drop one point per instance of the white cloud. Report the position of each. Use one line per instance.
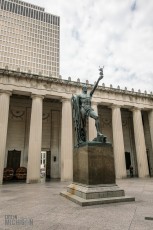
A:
(114, 33)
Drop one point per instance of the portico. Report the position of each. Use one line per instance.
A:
(36, 115)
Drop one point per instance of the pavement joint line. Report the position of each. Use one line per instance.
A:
(132, 218)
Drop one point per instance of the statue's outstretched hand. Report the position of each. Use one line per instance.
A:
(101, 73)
(101, 77)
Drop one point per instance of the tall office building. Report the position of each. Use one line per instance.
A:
(29, 38)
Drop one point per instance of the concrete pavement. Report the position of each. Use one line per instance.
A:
(39, 206)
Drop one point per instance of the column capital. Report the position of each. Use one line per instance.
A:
(115, 106)
(63, 100)
(37, 96)
(135, 109)
(9, 92)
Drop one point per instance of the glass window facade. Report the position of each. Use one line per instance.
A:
(30, 38)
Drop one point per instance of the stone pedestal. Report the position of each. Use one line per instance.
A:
(93, 164)
(94, 176)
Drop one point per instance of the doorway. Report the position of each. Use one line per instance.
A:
(13, 159)
(13, 164)
(45, 168)
(127, 160)
(48, 165)
(149, 163)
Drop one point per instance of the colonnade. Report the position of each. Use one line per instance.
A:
(118, 141)
(35, 137)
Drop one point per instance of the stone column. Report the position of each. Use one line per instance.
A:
(150, 117)
(4, 113)
(140, 145)
(92, 128)
(118, 143)
(35, 138)
(66, 141)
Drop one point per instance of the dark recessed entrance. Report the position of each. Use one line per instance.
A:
(128, 160)
(13, 159)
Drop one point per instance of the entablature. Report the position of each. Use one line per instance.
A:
(27, 84)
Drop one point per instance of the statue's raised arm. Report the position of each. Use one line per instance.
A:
(95, 86)
(82, 110)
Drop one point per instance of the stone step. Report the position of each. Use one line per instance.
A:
(84, 202)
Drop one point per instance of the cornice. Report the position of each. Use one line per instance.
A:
(78, 84)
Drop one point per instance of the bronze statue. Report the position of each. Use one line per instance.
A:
(82, 110)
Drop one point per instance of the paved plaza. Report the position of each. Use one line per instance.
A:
(39, 206)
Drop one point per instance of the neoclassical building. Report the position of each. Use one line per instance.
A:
(36, 116)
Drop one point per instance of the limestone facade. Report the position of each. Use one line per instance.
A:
(36, 115)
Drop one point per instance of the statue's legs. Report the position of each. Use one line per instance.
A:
(97, 124)
(83, 129)
(84, 126)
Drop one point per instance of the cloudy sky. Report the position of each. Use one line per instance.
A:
(117, 34)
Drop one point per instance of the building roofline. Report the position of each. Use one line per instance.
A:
(39, 77)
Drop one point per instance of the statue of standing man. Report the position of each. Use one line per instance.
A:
(82, 110)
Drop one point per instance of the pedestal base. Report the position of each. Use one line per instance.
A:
(94, 176)
(86, 195)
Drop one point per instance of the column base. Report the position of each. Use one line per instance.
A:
(86, 195)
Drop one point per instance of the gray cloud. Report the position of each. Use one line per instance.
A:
(117, 34)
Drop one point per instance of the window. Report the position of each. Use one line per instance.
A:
(22, 10)
(37, 15)
(26, 11)
(8, 5)
(34, 16)
(19, 9)
(16, 9)
(2, 4)
(5, 5)
(42, 16)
